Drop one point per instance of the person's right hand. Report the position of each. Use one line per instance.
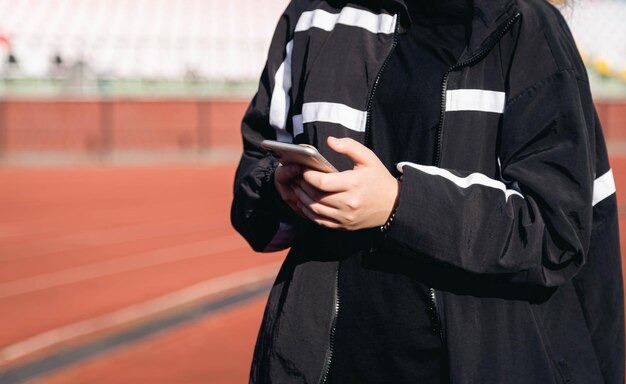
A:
(285, 177)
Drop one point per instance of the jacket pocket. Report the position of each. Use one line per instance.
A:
(566, 338)
(561, 370)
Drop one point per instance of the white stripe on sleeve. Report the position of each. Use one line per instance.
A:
(375, 23)
(282, 239)
(462, 182)
(336, 113)
(279, 103)
(475, 100)
(603, 187)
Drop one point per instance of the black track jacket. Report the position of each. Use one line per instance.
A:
(515, 219)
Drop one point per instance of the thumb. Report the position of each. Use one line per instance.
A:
(357, 152)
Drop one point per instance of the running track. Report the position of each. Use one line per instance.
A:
(131, 274)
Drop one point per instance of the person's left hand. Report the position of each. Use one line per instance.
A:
(359, 198)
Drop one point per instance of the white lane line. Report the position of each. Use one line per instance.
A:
(49, 243)
(58, 336)
(122, 264)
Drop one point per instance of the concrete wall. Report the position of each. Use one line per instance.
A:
(613, 117)
(101, 126)
(89, 126)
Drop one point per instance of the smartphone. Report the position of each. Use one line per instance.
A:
(303, 154)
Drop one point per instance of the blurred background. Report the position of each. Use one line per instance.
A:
(119, 136)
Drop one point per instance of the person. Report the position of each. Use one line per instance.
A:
(471, 234)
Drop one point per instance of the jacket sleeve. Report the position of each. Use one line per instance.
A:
(257, 211)
(533, 225)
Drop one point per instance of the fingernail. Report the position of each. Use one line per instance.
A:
(333, 140)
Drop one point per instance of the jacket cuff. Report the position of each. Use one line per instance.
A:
(413, 215)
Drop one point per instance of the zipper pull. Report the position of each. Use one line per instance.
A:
(435, 324)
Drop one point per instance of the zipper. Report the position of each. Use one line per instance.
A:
(335, 313)
(370, 100)
(435, 321)
(333, 327)
(434, 309)
(471, 60)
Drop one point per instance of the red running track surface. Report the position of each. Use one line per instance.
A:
(217, 349)
(80, 243)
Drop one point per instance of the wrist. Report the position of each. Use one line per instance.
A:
(385, 227)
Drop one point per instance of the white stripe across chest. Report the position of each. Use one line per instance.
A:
(321, 111)
(375, 23)
(335, 113)
(475, 100)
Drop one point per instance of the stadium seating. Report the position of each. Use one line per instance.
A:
(160, 39)
(210, 39)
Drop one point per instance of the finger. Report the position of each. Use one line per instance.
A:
(290, 198)
(283, 178)
(328, 182)
(320, 220)
(319, 209)
(294, 199)
(360, 154)
(317, 195)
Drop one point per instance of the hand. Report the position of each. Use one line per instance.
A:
(284, 180)
(359, 198)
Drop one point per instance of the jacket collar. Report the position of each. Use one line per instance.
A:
(489, 16)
